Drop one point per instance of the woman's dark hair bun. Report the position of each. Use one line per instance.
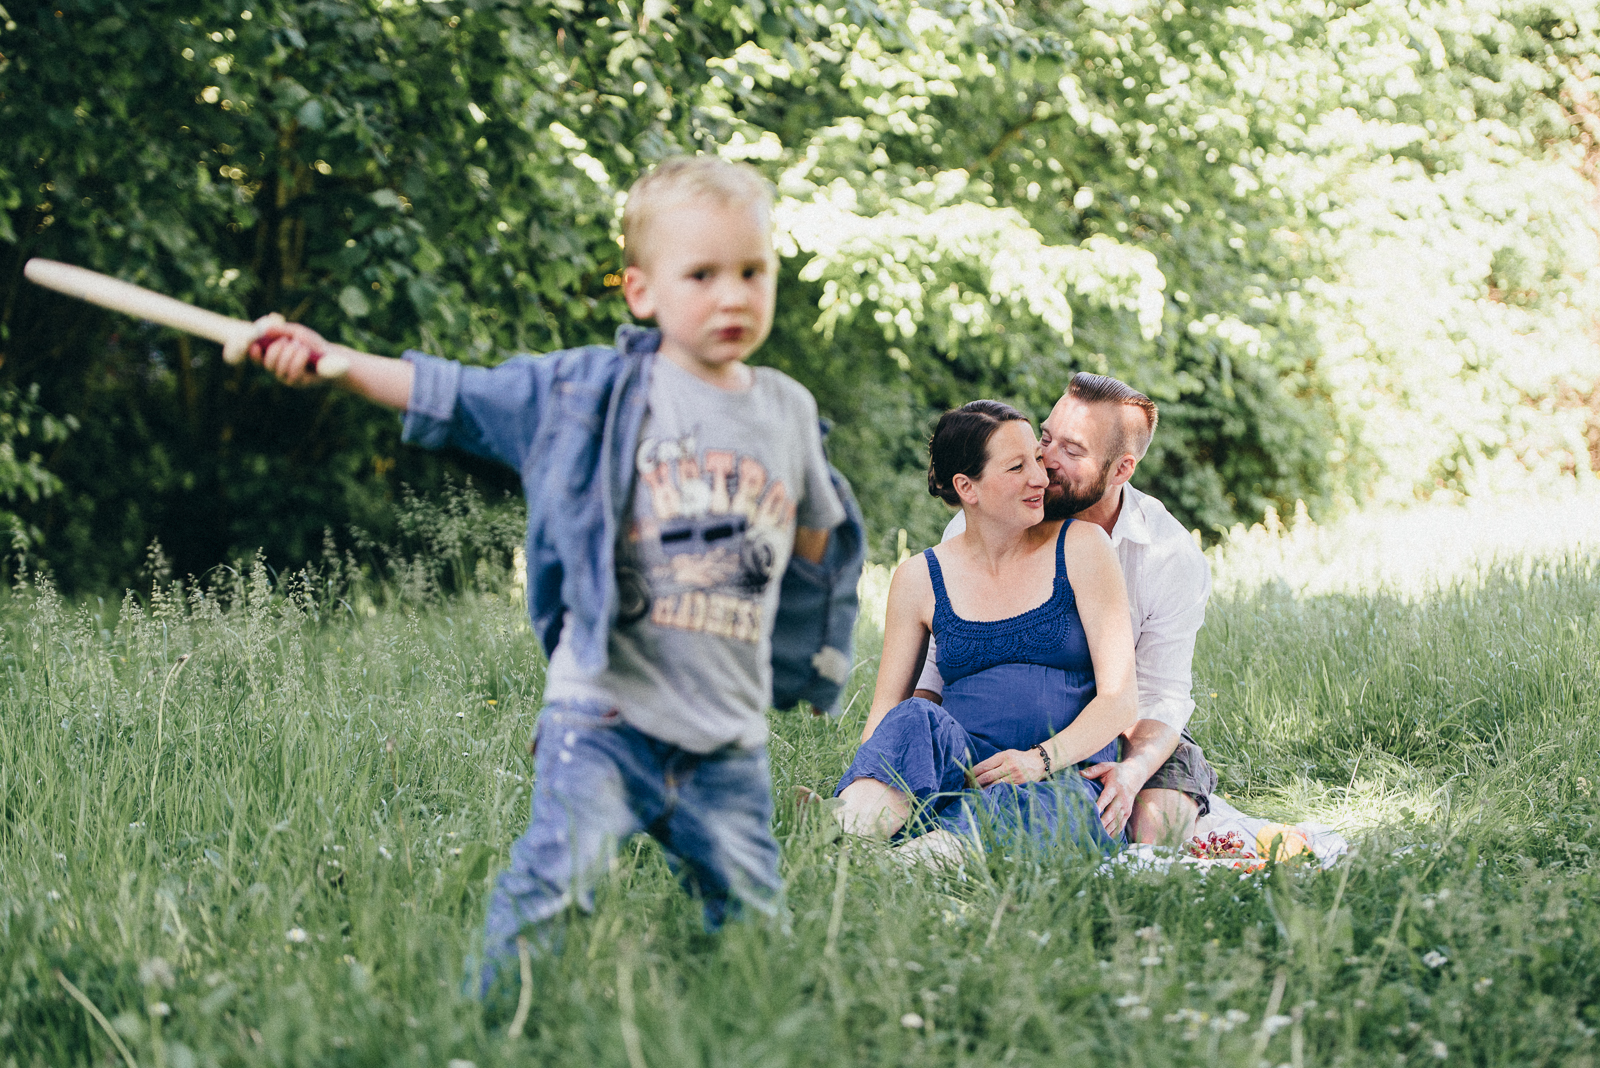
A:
(960, 444)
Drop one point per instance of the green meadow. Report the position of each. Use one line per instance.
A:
(253, 820)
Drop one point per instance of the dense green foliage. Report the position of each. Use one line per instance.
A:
(276, 851)
(1345, 248)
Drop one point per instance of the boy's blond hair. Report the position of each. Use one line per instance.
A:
(682, 177)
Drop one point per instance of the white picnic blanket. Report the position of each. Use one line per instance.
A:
(1260, 838)
(1326, 844)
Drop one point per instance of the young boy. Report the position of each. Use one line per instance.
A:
(668, 484)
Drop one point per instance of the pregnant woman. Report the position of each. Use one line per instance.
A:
(1035, 647)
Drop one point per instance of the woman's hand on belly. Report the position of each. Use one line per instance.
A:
(1016, 766)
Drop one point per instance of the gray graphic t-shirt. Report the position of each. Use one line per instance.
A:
(722, 481)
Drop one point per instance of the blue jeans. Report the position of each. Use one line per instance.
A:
(598, 781)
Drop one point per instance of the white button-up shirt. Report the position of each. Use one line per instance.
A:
(1169, 582)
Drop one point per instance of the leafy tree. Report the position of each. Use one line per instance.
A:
(1458, 151)
(975, 199)
(23, 474)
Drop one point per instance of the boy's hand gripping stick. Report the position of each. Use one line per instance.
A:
(234, 335)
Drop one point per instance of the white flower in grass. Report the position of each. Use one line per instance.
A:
(1440, 1050)
(911, 1020)
(297, 934)
(1229, 1020)
(1139, 1012)
(1130, 998)
(1434, 959)
(161, 1008)
(1273, 1024)
(156, 972)
(1482, 985)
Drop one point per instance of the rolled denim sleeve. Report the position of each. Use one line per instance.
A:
(434, 388)
(491, 412)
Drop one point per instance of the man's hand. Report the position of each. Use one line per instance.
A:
(1010, 765)
(286, 349)
(1120, 784)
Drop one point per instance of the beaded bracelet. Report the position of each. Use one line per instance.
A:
(1045, 757)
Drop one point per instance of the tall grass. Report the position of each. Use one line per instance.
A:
(278, 851)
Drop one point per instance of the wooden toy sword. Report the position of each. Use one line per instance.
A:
(234, 335)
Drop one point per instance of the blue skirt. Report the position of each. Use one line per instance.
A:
(921, 749)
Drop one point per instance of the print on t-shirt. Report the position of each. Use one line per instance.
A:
(707, 529)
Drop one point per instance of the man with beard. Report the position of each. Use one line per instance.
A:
(1093, 442)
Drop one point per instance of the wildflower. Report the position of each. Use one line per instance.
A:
(1482, 985)
(1139, 1012)
(911, 1020)
(1149, 934)
(384, 853)
(1434, 959)
(1229, 1020)
(1440, 1050)
(297, 935)
(1130, 998)
(1150, 962)
(52, 895)
(492, 701)
(161, 1008)
(156, 972)
(461, 715)
(1273, 1024)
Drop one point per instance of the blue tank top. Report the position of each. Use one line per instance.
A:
(1012, 683)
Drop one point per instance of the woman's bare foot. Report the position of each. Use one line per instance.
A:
(936, 849)
(871, 809)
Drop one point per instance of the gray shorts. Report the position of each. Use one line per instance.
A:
(1187, 771)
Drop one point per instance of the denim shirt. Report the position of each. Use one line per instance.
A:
(568, 423)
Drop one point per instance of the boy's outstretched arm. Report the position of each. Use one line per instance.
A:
(286, 348)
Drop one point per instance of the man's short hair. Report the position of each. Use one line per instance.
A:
(1103, 389)
(681, 177)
